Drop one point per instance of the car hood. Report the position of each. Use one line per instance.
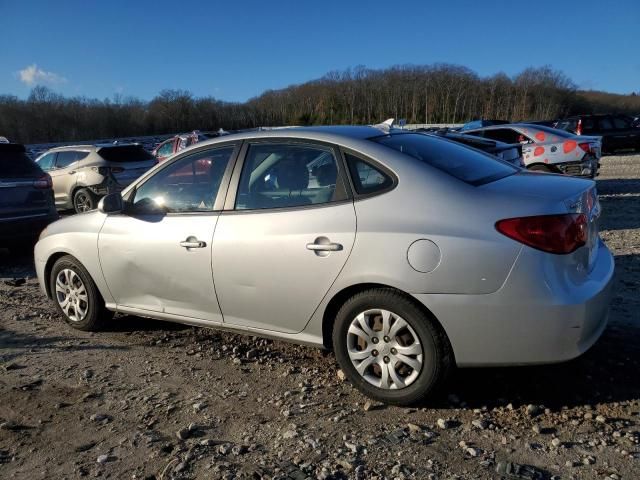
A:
(88, 222)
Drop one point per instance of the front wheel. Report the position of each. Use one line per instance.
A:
(76, 296)
(389, 348)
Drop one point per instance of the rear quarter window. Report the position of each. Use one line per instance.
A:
(466, 164)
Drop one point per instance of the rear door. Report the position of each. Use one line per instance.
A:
(289, 233)
(63, 176)
(127, 162)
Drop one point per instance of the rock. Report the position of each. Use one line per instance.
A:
(99, 417)
(537, 429)
(290, 434)
(351, 446)
(473, 452)
(601, 419)
(183, 433)
(199, 406)
(225, 449)
(556, 442)
(341, 375)
(105, 458)
(571, 463)
(534, 410)
(207, 442)
(480, 424)
(443, 424)
(589, 460)
(239, 449)
(367, 405)
(413, 428)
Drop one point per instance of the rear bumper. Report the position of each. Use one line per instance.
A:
(546, 323)
(24, 227)
(587, 167)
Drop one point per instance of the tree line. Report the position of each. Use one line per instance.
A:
(440, 93)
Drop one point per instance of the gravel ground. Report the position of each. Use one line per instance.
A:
(151, 400)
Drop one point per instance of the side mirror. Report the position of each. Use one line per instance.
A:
(111, 203)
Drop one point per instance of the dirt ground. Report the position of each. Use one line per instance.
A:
(149, 399)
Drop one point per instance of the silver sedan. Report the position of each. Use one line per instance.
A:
(406, 254)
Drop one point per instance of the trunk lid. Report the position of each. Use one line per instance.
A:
(558, 194)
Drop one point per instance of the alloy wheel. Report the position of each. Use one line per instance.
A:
(384, 349)
(71, 295)
(83, 202)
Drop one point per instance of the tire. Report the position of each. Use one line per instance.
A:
(432, 364)
(84, 200)
(85, 309)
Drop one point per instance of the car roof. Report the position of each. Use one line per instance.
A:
(95, 146)
(330, 134)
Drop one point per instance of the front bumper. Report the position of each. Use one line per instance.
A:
(523, 325)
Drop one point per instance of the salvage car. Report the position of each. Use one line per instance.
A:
(457, 259)
(175, 144)
(618, 132)
(26, 198)
(548, 149)
(82, 174)
(509, 152)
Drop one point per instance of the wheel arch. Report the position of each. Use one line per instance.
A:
(333, 306)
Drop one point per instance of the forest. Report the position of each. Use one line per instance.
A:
(439, 93)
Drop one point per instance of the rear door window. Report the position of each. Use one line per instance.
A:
(605, 123)
(165, 149)
(66, 158)
(466, 164)
(621, 124)
(506, 135)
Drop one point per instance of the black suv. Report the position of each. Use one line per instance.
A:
(26, 198)
(617, 131)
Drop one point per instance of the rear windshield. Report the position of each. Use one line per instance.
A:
(15, 163)
(468, 165)
(125, 153)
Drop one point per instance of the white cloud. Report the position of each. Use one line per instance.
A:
(32, 75)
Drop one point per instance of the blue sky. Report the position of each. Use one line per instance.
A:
(234, 50)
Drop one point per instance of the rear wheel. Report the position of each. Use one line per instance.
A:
(389, 349)
(84, 200)
(76, 296)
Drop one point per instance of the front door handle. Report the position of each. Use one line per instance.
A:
(193, 242)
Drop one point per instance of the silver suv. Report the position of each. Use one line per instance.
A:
(82, 174)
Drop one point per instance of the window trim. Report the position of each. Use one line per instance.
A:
(375, 164)
(218, 203)
(232, 192)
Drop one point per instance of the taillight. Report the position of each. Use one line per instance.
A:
(43, 182)
(101, 170)
(585, 146)
(558, 234)
(579, 127)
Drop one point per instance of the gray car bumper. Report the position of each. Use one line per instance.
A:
(507, 329)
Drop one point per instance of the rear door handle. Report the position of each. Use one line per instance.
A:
(193, 242)
(324, 247)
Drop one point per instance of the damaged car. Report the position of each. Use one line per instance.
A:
(82, 174)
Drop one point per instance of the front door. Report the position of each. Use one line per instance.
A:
(278, 252)
(156, 255)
